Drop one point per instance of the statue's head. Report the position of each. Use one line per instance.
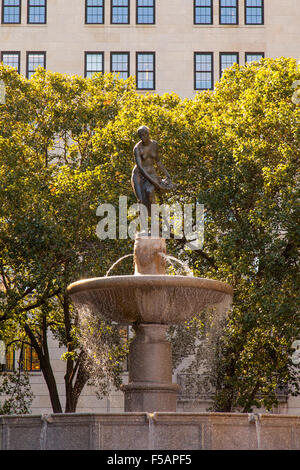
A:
(143, 132)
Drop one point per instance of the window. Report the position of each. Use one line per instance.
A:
(10, 359)
(203, 12)
(145, 70)
(94, 11)
(94, 62)
(229, 12)
(12, 59)
(28, 359)
(253, 56)
(11, 11)
(119, 64)
(227, 59)
(203, 70)
(37, 11)
(254, 11)
(120, 11)
(35, 60)
(145, 11)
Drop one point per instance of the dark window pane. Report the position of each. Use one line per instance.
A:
(254, 57)
(203, 71)
(228, 11)
(203, 12)
(145, 11)
(254, 12)
(120, 64)
(34, 60)
(93, 63)
(10, 359)
(37, 11)
(120, 11)
(94, 12)
(11, 11)
(227, 60)
(29, 359)
(145, 71)
(12, 59)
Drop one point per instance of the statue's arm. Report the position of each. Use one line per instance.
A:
(163, 169)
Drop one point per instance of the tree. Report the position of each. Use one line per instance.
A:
(247, 134)
(49, 195)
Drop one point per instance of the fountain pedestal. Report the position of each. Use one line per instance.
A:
(150, 385)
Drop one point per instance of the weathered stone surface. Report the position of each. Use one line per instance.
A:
(138, 431)
(150, 385)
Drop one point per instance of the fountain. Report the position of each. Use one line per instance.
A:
(150, 300)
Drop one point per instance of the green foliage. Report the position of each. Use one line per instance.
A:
(15, 387)
(50, 188)
(248, 180)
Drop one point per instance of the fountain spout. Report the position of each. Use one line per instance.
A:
(148, 255)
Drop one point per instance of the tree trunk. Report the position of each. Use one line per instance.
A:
(43, 355)
(76, 375)
(73, 390)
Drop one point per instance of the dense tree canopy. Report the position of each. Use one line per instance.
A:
(66, 146)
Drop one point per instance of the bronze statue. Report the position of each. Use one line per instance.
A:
(144, 180)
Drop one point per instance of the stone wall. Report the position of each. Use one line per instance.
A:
(143, 431)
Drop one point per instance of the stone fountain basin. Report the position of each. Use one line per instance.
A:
(149, 298)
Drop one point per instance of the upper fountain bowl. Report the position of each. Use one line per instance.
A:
(149, 298)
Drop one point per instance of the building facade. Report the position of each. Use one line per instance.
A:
(169, 45)
(179, 46)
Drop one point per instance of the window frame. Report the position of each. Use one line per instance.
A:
(254, 53)
(13, 360)
(20, 14)
(154, 69)
(86, 53)
(211, 14)
(211, 54)
(27, 60)
(18, 53)
(28, 15)
(22, 362)
(262, 14)
(86, 12)
(237, 14)
(111, 12)
(128, 61)
(227, 53)
(137, 13)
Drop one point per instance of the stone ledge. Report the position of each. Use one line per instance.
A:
(163, 431)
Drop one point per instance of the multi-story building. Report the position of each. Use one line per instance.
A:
(179, 46)
(169, 45)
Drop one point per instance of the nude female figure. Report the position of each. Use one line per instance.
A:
(144, 180)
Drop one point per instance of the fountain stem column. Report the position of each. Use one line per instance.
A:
(150, 385)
